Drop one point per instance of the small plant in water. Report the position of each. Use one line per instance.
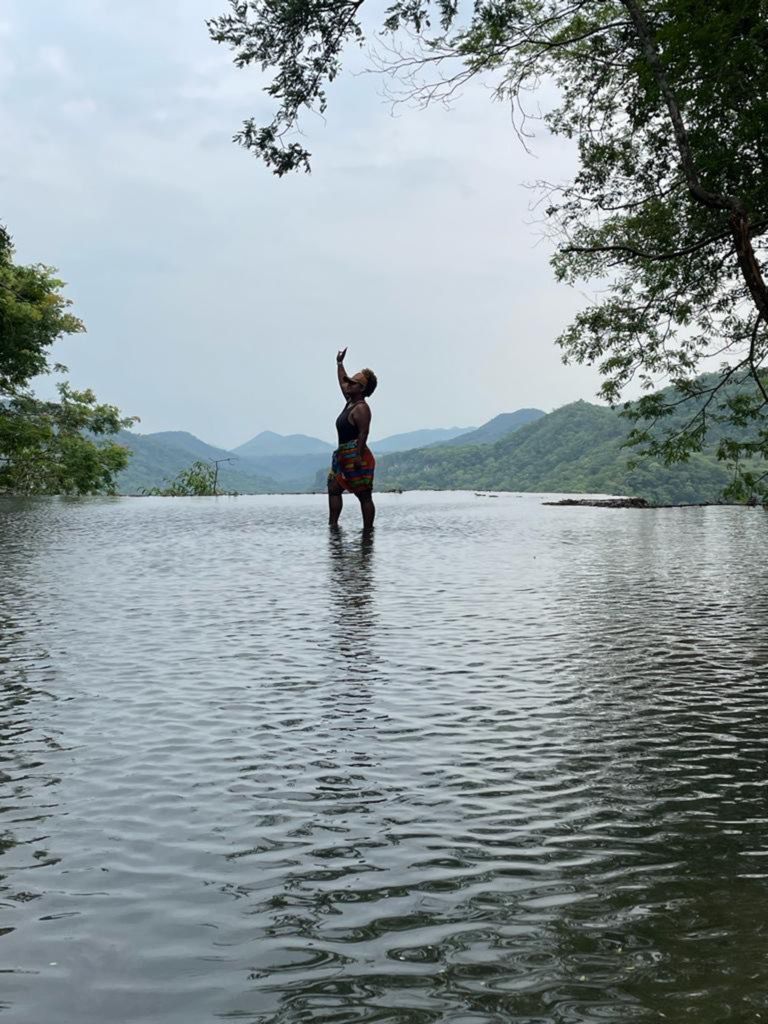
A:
(198, 480)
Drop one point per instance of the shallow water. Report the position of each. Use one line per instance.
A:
(501, 763)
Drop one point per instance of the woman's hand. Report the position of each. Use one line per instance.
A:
(340, 355)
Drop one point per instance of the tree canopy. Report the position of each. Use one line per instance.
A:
(33, 314)
(47, 447)
(666, 101)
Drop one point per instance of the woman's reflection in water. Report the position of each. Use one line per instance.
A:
(351, 597)
(352, 631)
(312, 920)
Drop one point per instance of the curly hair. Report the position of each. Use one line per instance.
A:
(371, 382)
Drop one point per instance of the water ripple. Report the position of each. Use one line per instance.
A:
(502, 763)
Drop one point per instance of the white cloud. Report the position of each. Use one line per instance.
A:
(56, 61)
(79, 109)
(7, 63)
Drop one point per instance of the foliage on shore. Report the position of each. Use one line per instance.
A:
(47, 447)
(157, 458)
(197, 480)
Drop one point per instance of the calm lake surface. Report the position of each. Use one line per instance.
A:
(505, 763)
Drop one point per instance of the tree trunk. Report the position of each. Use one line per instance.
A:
(739, 217)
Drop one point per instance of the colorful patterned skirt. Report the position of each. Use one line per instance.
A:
(347, 478)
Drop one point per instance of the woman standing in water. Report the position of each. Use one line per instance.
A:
(353, 463)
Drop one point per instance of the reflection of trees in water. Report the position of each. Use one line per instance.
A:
(24, 674)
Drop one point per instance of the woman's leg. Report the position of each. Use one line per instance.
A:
(367, 508)
(335, 503)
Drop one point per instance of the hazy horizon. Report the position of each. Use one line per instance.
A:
(216, 295)
(330, 439)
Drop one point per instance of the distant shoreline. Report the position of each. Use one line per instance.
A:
(574, 502)
(643, 504)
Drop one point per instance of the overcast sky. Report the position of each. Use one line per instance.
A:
(216, 295)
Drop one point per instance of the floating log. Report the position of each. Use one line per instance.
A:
(642, 503)
(602, 502)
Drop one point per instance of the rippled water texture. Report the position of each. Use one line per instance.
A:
(503, 763)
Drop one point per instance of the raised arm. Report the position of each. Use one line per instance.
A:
(340, 371)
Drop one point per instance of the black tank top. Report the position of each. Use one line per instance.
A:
(346, 430)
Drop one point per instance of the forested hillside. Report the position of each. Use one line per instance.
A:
(577, 448)
(269, 444)
(419, 439)
(156, 458)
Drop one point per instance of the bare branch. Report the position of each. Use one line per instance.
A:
(641, 254)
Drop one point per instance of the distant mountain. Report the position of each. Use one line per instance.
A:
(182, 440)
(158, 457)
(276, 456)
(576, 449)
(418, 439)
(292, 472)
(269, 443)
(501, 425)
(302, 472)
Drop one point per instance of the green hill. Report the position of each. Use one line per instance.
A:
(267, 443)
(419, 439)
(182, 440)
(156, 458)
(501, 425)
(577, 449)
